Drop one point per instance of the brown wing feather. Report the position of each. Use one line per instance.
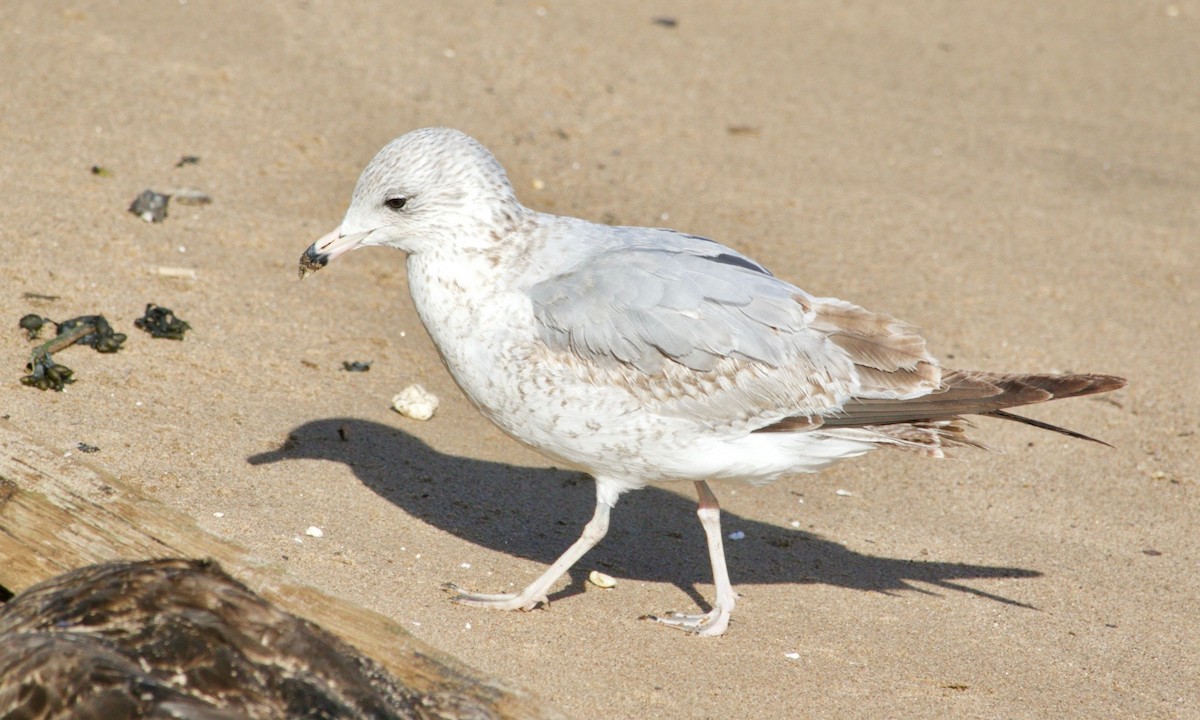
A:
(889, 355)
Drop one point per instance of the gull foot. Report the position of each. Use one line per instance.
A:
(709, 624)
(495, 601)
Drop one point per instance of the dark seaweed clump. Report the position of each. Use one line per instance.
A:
(161, 322)
(92, 330)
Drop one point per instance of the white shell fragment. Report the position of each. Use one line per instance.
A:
(415, 402)
(174, 272)
(314, 531)
(737, 535)
(601, 580)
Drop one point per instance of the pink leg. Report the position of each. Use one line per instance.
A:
(535, 594)
(716, 621)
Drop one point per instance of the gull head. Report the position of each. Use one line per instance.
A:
(432, 189)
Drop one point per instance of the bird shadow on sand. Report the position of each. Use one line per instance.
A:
(535, 513)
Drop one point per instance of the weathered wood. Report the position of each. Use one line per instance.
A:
(58, 513)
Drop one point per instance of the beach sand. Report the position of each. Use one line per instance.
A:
(1021, 180)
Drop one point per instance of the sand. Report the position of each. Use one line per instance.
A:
(1021, 180)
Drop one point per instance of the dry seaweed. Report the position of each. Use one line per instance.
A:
(161, 322)
(91, 330)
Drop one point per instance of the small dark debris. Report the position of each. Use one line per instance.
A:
(309, 364)
(32, 324)
(667, 22)
(356, 366)
(743, 130)
(343, 434)
(161, 322)
(779, 542)
(609, 218)
(150, 206)
(1152, 552)
(188, 160)
(40, 296)
(956, 686)
(85, 448)
(1111, 625)
(101, 171)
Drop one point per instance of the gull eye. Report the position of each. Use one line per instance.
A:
(395, 203)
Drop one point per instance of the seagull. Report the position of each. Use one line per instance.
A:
(646, 355)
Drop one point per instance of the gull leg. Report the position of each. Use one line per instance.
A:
(535, 594)
(716, 620)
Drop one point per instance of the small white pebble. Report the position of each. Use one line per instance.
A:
(795, 523)
(792, 656)
(415, 402)
(218, 514)
(314, 531)
(298, 540)
(417, 623)
(601, 580)
(467, 626)
(842, 493)
(448, 52)
(737, 535)
(465, 566)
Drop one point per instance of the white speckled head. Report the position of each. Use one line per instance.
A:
(424, 189)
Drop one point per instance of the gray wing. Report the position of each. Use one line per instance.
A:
(698, 329)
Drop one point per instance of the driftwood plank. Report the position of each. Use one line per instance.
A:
(58, 513)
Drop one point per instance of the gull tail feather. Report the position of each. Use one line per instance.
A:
(1044, 426)
(935, 420)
